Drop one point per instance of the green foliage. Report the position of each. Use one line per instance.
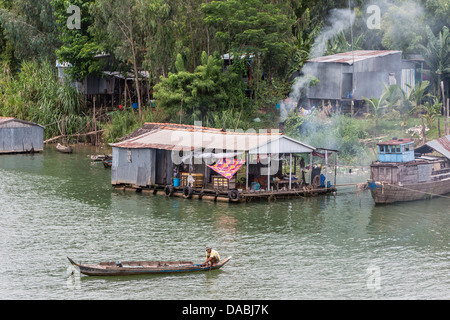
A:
(256, 28)
(31, 28)
(403, 26)
(340, 44)
(431, 110)
(437, 57)
(121, 123)
(126, 121)
(35, 94)
(198, 96)
(79, 48)
(339, 132)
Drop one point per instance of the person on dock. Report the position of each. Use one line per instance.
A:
(212, 257)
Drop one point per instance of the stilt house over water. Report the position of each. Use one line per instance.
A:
(199, 161)
(19, 136)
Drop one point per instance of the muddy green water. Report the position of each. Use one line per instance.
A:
(54, 205)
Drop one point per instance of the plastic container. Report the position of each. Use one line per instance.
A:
(176, 182)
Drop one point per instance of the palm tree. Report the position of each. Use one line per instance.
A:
(437, 56)
(378, 106)
(417, 94)
(431, 111)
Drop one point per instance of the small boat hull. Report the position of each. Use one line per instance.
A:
(143, 267)
(64, 149)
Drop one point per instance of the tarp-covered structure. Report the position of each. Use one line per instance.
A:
(152, 154)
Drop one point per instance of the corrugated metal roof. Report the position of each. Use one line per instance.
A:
(4, 120)
(441, 145)
(354, 56)
(188, 138)
(396, 142)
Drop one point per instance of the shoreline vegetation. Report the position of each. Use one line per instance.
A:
(183, 45)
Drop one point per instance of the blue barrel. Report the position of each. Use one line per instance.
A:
(135, 105)
(176, 182)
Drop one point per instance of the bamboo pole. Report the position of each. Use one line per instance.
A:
(246, 171)
(448, 111)
(268, 172)
(326, 168)
(444, 108)
(290, 171)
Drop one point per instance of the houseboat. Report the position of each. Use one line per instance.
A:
(403, 173)
(208, 163)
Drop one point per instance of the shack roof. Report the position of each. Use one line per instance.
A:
(395, 142)
(441, 145)
(170, 136)
(354, 56)
(6, 120)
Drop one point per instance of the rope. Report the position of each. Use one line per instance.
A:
(432, 194)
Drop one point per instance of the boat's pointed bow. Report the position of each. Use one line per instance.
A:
(72, 262)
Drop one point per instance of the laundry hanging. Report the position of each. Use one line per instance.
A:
(227, 167)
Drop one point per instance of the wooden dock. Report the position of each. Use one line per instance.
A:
(237, 196)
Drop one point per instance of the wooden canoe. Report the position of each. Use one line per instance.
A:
(64, 149)
(142, 267)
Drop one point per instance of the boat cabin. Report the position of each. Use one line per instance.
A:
(403, 173)
(396, 150)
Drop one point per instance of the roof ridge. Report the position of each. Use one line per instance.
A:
(191, 128)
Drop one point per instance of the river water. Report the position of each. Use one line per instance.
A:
(56, 205)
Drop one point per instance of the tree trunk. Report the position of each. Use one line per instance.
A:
(138, 87)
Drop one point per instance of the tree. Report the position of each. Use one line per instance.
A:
(437, 57)
(31, 28)
(199, 96)
(403, 26)
(79, 47)
(417, 94)
(255, 29)
(377, 106)
(124, 34)
(431, 111)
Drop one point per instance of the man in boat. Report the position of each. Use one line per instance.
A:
(212, 257)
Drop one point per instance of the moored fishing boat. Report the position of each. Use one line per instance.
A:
(404, 174)
(64, 149)
(142, 267)
(101, 157)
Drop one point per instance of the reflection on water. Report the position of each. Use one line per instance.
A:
(56, 205)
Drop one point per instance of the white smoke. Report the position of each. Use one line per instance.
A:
(338, 20)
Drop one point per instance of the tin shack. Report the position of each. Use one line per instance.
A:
(19, 136)
(194, 161)
(346, 78)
